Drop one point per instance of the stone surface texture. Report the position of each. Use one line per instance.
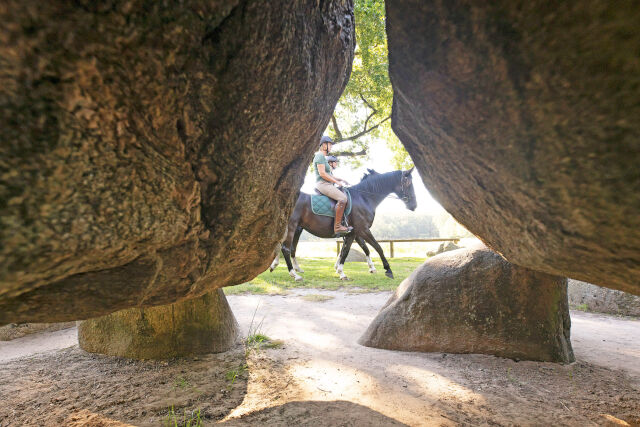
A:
(474, 301)
(522, 119)
(18, 330)
(152, 151)
(355, 255)
(603, 300)
(199, 325)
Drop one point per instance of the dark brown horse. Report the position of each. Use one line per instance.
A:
(365, 198)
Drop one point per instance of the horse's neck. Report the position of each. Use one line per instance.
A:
(376, 194)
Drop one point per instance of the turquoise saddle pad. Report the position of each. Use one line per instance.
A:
(321, 205)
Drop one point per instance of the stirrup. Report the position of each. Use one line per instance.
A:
(343, 232)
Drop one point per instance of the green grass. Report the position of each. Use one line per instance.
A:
(233, 374)
(581, 307)
(190, 419)
(316, 297)
(181, 382)
(319, 274)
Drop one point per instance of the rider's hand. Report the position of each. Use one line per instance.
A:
(343, 183)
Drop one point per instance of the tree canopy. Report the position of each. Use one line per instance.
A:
(364, 110)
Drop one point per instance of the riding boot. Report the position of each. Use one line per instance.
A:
(338, 228)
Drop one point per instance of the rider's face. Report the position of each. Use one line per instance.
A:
(333, 165)
(328, 145)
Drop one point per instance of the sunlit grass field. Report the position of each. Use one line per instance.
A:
(319, 274)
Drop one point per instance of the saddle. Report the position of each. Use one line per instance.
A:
(326, 206)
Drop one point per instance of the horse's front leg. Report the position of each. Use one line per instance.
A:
(348, 240)
(365, 249)
(335, 266)
(368, 237)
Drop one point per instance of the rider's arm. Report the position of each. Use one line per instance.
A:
(324, 175)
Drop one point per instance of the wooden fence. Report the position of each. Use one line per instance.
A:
(392, 241)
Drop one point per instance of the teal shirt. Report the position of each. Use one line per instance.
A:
(320, 159)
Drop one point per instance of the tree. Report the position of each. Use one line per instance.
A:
(364, 110)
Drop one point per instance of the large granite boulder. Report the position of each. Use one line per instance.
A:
(474, 301)
(355, 255)
(152, 151)
(585, 296)
(522, 119)
(196, 326)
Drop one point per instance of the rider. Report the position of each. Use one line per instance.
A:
(325, 181)
(333, 162)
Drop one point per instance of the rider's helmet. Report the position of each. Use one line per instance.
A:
(332, 159)
(324, 139)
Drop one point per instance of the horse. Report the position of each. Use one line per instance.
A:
(294, 261)
(365, 198)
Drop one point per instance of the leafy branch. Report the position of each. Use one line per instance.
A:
(349, 153)
(366, 128)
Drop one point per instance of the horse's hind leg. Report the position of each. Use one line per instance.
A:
(368, 237)
(343, 256)
(294, 245)
(365, 249)
(335, 266)
(275, 262)
(286, 252)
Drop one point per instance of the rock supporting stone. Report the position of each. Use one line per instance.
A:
(12, 331)
(584, 295)
(522, 119)
(152, 151)
(450, 246)
(355, 255)
(197, 326)
(473, 301)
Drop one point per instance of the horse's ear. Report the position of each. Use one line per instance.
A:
(407, 173)
(372, 171)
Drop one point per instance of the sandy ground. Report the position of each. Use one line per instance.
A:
(321, 376)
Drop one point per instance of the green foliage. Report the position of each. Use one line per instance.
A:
(368, 97)
(320, 274)
(190, 419)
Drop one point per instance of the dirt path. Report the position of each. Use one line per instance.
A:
(323, 377)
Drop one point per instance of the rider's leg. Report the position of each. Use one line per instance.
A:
(330, 191)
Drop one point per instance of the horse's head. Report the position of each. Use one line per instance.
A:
(404, 190)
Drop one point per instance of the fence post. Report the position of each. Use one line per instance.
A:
(391, 249)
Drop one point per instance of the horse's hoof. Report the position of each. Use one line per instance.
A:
(389, 274)
(301, 271)
(270, 270)
(373, 271)
(299, 279)
(345, 278)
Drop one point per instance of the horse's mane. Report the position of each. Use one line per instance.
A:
(377, 182)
